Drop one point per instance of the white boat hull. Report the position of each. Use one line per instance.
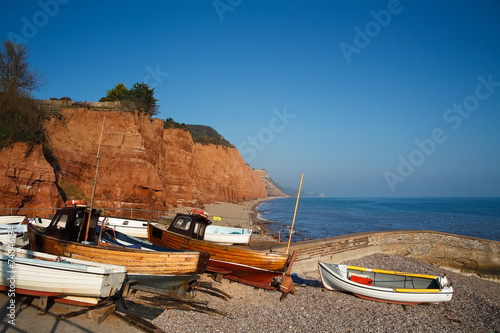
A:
(335, 277)
(12, 231)
(227, 235)
(132, 227)
(12, 219)
(34, 273)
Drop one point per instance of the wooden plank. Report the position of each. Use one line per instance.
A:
(86, 310)
(42, 305)
(101, 314)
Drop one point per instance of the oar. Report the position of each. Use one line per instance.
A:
(294, 213)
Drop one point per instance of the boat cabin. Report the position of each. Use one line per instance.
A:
(70, 224)
(192, 226)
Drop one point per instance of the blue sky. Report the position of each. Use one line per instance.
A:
(366, 99)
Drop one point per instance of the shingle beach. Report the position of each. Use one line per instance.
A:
(234, 307)
(475, 306)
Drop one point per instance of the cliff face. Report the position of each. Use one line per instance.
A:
(271, 188)
(26, 179)
(142, 165)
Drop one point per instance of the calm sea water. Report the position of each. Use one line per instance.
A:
(328, 217)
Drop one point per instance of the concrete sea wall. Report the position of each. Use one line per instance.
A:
(467, 255)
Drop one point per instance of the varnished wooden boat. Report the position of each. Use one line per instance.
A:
(68, 235)
(268, 270)
(386, 286)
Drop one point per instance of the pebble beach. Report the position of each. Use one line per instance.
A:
(227, 306)
(475, 306)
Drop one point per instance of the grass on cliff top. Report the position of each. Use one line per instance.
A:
(206, 135)
(71, 191)
(202, 134)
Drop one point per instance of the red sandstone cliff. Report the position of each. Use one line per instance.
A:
(271, 188)
(142, 165)
(26, 179)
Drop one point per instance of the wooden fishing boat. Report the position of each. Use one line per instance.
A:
(132, 227)
(268, 270)
(72, 233)
(62, 279)
(386, 286)
(227, 235)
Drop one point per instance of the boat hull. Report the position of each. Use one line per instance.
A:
(227, 235)
(245, 274)
(132, 227)
(334, 277)
(172, 283)
(251, 267)
(12, 219)
(40, 274)
(12, 230)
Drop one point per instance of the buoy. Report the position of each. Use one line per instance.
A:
(76, 203)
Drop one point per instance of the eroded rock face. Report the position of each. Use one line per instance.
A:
(142, 165)
(26, 179)
(271, 188)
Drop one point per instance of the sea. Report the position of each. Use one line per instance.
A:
(329, 217)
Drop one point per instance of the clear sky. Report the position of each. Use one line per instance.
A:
(366, 99)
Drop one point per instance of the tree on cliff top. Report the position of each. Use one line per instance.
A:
(143, 96)
(118, 93)
(20, 119)
(140, 97)
(16, 76)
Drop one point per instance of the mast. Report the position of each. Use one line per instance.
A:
(95, 180)
(294, 213)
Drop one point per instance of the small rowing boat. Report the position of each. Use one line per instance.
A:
(386, 286)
